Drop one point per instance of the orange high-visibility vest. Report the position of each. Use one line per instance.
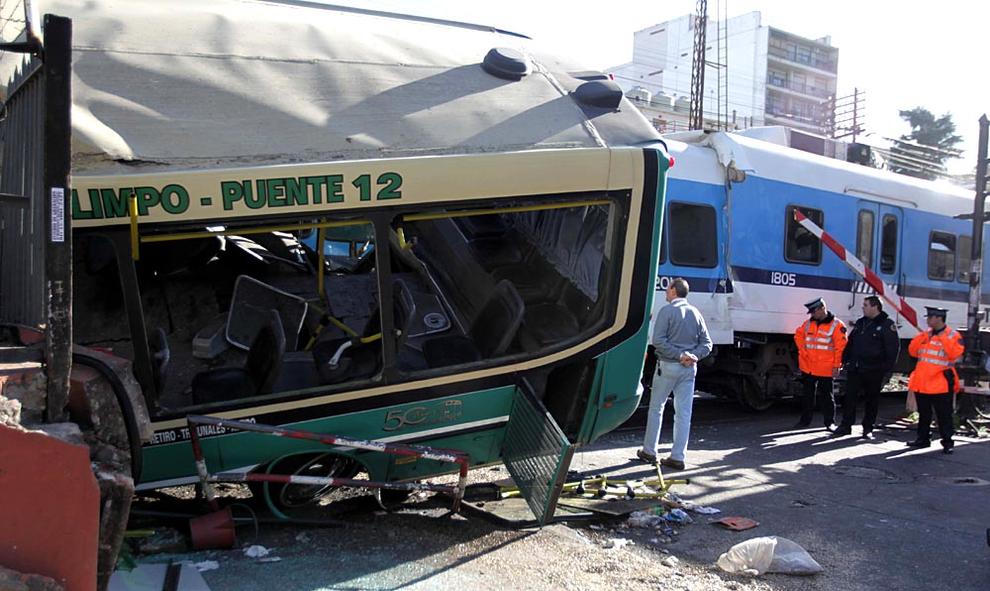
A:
(935, 353)
(820, 346)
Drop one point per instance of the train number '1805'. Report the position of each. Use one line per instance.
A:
(780, 278)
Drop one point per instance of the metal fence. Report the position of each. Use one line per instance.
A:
(35, 203)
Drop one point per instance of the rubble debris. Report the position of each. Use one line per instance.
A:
(11, 580)
(10, 412)
(736, 523)
(644, 519)
(705, 510)
(678, 516)
(671, 562)
(165, 540)
(616, 543)
(28, 387)
(206, 565)
(256, 551)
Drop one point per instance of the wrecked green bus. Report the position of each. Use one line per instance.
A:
(386, 227)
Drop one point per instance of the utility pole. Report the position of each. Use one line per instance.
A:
(976, 255)
(696, 119)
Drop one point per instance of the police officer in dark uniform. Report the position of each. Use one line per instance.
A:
(869, 357)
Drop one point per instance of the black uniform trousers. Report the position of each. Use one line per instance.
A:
(865, 385)
(942, 404)
(817, 393)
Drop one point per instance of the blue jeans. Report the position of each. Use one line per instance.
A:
(672, 377)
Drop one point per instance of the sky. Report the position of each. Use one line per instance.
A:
(902, 53)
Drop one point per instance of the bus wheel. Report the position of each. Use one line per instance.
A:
(287, 496)
(752, 397)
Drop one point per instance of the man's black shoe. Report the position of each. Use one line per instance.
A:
(869, 436)
(842, 431)
(672, 463)
(947, 446)
(645, 457)
(802, 424)
(919, 443)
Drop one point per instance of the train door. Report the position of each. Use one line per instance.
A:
(887, 263)
(878, 245)
(692, 248)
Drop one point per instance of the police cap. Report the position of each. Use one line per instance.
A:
(933, 311)
(814, 305)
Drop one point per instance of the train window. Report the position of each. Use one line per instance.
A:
(864, 237)
(693, 236)
(964, 251)
(888, 244)
(942, 256)
(800, 245)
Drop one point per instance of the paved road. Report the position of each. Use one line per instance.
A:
(875, 515)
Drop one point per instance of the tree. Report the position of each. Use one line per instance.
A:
(923, 152)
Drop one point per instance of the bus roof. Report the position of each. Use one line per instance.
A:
(187, 84)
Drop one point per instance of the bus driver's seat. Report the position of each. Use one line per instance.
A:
(261, 369)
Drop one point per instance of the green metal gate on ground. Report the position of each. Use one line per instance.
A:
(536, 453)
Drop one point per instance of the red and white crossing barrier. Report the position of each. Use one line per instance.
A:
(883, 290)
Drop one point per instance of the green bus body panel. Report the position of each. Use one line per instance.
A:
(440, 422)
(237, 450)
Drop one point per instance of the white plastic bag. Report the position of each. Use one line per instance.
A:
(752, 557)
(790, 558)
(768, 554)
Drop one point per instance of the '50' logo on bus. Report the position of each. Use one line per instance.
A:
(449, 410)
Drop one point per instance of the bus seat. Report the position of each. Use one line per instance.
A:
(262, 367)
(535, 281)
(553, 322)
(491, 334)
(357, 362)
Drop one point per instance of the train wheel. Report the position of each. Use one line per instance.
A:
(752, 397)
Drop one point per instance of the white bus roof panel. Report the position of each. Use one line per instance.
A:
(226, 83)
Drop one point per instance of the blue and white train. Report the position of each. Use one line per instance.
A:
(729, 231)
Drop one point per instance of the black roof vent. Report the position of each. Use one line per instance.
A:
(604, 94)
(506, 63)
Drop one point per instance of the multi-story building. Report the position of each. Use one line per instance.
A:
(770, 76)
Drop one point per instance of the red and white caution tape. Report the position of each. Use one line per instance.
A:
(883, 290)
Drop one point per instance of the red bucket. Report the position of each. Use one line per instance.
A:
(213, 530)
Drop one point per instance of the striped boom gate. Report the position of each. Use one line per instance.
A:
(416, 451)
(883, 290)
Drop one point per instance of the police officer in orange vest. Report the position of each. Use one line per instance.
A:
(934, 380)
(820, 342)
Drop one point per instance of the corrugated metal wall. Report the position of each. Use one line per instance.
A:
(22, 208)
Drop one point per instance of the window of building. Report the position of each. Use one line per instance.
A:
(776, 77)
(965, 251)
(775, 104)
(800, 245)
(693, 235)
(803, 54)
(864, 238)
(888, 244)
(942, 256)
